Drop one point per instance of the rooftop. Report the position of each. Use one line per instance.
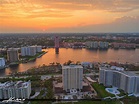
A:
(60, 85)
(128, 73)
(1, 58)
(18, 84)
(71, 66)
(12, 49)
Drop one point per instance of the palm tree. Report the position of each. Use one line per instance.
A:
(69, 62)
(78, 63)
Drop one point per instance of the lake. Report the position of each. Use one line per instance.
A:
(82, 55)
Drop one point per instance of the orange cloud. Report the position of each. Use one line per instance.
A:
(50, 14)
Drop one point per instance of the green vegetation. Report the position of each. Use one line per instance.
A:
(100, 89)
(32, 92)
(45, 93)
(51, 69)
(14, 63)
(122, 93)
(41, 102)
(31, 58)
(49, 86)
(130, 100)
(3, 56)
(68, 62)
(35, 80)
(132, 67)
(46, 87)
(31, 78)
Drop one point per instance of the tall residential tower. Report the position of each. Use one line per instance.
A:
(12, 55)
(18, 89)
(56, 44)
(72, 76)
(127, 81)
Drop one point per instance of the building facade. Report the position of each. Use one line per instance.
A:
(12, 55)
(30, 50)
(56, 44)
(72, 77)
(96, 45)
(18, 89)
(38, 48)
(127, 81)
(24, 51)
(2, 63)
(103, 45)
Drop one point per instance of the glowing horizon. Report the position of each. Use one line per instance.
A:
(69, 16)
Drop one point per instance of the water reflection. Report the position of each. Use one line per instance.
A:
(81, 55)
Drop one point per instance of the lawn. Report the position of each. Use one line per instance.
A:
(122, 93)
(130, 100)
(100, 89)
(31, 58)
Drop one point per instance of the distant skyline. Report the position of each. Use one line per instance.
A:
(88, 16)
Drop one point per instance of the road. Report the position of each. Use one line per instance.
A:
(49, 76)
(36, 94)
(92, 89)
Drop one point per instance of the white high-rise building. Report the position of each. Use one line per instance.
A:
(72, 76)
(24, 51)
(136, 90)
(2, 63)
(127, 81)
(93, 45)
(106, 44)
(30, 50)
(18, 89)
(38, 48)
(103, 45)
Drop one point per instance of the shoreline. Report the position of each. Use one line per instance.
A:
(78, 55)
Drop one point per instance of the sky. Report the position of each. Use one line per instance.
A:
(79, 16)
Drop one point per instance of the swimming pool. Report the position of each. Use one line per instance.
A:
(112, 91)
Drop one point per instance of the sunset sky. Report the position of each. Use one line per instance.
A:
(69, 16)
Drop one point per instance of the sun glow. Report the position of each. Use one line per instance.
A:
(36, 15)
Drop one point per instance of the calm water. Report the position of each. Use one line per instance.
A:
(121, 55)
